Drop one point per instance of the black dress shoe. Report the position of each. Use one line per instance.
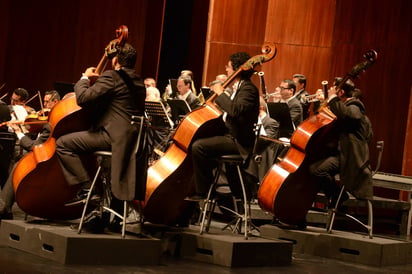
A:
(115, 226)
(95, 225)
(81, 197)
(196, 197)
(6, 215)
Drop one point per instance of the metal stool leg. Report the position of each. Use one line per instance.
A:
(79, 230)
(369, 226)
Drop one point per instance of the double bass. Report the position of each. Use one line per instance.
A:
(169, 180)
(287, 190)
(40, 187)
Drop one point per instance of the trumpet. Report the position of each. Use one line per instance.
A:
(318, 96)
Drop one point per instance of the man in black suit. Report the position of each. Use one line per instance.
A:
(288, 89)
(301, 94)
(348, 152)
(184, 84)
(114, 97)
(240, 113)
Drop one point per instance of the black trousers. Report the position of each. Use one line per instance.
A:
(324, 171)
(204, 153)
(69, 147)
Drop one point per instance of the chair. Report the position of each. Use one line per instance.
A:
(210, 201)
(369, 225)
(103, 172)
(7, 144)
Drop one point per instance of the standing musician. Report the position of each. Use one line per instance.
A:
(27, 143)
(241, 109)
(115, 96)
(349, 152)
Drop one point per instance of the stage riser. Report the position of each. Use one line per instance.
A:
(64, 245)
(232, 250)
(344, 246)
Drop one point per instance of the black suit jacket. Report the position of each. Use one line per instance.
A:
(114, 102)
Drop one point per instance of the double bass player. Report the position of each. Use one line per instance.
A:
(113, 97)
(348, 155)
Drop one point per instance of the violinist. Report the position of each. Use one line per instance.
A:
(116, 95)
(19, 97)
(7, 195)
(348, 153)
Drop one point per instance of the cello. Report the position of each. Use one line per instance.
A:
(287, 190)
(169, 179)
(40, 187)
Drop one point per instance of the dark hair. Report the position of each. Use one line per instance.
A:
(127, 55)
(238, 59)
(24, 95)
(291, 84)
(301, 78)
(347, 87)
(186, 79)
(54, 95)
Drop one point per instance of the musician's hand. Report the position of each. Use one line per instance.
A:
(91, 74)
(15, 127)
(217, 88)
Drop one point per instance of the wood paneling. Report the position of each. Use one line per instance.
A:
(233, 26)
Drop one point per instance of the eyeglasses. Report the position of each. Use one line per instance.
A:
(282, 88)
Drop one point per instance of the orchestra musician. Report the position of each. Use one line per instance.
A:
(301, 93)
(27, 143)
(287, 91)
(241, 109)
(184, 87)
(20, 97)
(348, 155)
(115, 96)
(4, 115)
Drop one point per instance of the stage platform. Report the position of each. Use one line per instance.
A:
(232, 250)
(61, 243)
(344, 246)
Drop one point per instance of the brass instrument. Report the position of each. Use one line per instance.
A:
(315, 97)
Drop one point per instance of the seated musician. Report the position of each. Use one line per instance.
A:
(348, 155)
(4, 115)
(27, 143)
(19, 97)
(287, 92)
(241, 109)
(115, 96)
(184, 87)
(268, 149)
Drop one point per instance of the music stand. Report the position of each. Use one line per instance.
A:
(179, 108)
(157, 114)
(63, 88)
(173, 87)
(280, 112)
(206, 92)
